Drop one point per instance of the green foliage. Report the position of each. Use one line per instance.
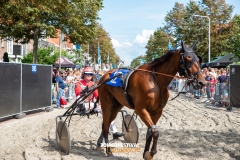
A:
(180, 21)
(106, 47)
(157, 44)
(5, 57)
(26, 20)
(45, 56)
(136, 62)
(77, 57)
(234, 40)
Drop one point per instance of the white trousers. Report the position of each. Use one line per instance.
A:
(98, 109)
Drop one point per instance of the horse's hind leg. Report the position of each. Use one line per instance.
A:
(110, 108)
(100, 140)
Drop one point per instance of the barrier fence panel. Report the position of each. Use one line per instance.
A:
(10, 83)
(36, 86)
(222, 92)
(234, 85)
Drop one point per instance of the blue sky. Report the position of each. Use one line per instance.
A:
(130, 23)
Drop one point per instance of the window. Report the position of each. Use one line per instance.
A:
(2, 42)
(24, 49)
(10, 46)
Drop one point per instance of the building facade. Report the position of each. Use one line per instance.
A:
(12, 47)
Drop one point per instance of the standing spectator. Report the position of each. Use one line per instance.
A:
(60, 88)
(212, 87)
(207, 78)
(54, 72)
(222, 79)
(213, 73)
(71, 84)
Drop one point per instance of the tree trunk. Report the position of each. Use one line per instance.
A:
(35, 47)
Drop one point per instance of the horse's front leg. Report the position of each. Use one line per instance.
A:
(148, 141)
(154, 135)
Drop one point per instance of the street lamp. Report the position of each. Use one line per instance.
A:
(209, 58)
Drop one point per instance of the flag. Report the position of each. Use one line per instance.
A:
(108, 58)
(78, 47)
(99, 56)
(154, 56)
(142, 61)
(178, 45)
(170, 47)
(122, 61)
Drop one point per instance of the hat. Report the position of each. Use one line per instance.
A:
(61, 72)
(88, 70)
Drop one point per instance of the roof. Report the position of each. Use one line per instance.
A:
(65, 62)
(222, 61)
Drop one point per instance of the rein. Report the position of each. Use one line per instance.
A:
(160, 73)
(165, 75)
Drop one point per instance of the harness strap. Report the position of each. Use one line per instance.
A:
(160, 73)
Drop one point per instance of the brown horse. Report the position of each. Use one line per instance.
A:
(148, 89)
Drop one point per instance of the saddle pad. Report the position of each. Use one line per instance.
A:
(117, 82)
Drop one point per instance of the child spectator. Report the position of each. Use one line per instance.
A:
(212, 87)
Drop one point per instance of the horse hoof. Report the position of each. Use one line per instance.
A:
(148, 156)
(109, 155)
(98, 148)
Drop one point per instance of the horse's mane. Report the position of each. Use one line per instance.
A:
(163, 58)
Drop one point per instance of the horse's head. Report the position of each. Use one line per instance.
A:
(189, 66)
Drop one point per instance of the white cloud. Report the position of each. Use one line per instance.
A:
(144, 37)
(117, 44)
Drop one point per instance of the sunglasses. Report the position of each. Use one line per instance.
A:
(88, 74)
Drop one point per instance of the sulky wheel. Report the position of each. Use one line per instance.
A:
(132, 134)
(63, 137)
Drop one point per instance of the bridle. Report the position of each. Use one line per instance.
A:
(183, 67)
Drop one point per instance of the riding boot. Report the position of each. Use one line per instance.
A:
(117, 134)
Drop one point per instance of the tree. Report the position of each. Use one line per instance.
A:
(77, 58)
(106, 47)
(234, 40)
(45, 56)
(136, 62)
(157, 44)
(180, 21)
(5, 57)
(25, 20)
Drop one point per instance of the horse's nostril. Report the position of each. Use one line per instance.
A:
(200, 83)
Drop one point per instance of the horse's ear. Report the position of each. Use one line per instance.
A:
(200, 59)
(194, 44)
(183, 46)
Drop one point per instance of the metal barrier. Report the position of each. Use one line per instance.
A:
(10, 87)
(24, 87)
(222, 93)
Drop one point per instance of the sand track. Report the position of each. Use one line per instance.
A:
(189, 129)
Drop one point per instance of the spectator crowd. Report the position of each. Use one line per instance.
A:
(64, 83)
(215, 92)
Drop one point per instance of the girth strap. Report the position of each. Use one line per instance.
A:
(125, 79)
